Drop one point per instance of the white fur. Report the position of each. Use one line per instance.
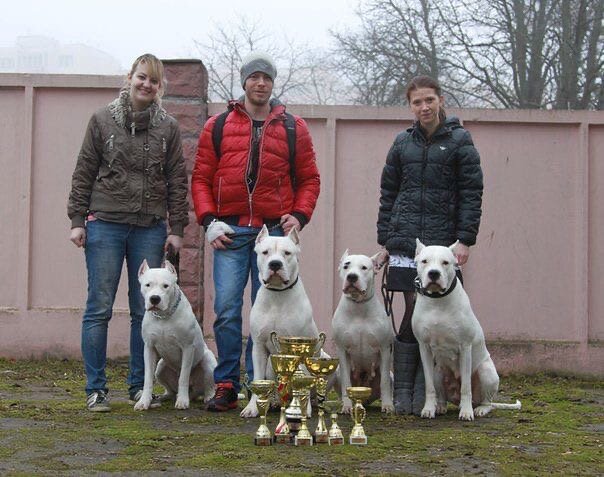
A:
(287, 312)
(457, 365)
(176, 340)
(362, 331)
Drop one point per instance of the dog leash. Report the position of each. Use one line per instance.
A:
(388, 297)
(253, 239)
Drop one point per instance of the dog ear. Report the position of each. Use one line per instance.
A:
(452, 247)
(418, 247)
(262, 234)
(293, 236)
(143, 268)
(168, 266)
(342, 259)
(379, 260)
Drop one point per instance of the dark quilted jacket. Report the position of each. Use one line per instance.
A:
(430, 189)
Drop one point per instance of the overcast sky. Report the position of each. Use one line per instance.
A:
(127, 28)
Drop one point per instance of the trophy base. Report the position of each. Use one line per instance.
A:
(321, 438)
(303, 441)
(283, 438)
(335, 441)
(294, 425)
(358, 440)
(263, 441)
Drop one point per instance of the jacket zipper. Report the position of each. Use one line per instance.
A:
(424, 164)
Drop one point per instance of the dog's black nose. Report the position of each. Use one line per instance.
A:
(433, 275)
(352, 278)
(154, 299)
(275, 265)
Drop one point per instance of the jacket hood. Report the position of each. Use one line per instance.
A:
(122, 113)
(449, 124)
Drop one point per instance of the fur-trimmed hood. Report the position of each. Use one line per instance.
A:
(121, 111)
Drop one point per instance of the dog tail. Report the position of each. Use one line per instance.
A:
(501, 405)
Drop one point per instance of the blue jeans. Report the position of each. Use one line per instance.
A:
(231, 271)
(107, 244)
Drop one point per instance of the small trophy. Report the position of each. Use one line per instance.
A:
(358, 394)
(335, 436)
(302, 385)
(284, 366)
(320, 368)
(262, 388)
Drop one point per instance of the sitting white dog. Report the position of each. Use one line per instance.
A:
(281, 304)
(362, 331)
(171, 332)
(457, 365)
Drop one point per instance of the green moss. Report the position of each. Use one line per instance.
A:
(45, 428)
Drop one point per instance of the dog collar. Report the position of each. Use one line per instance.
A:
(283, 289)
(422, 291)
(163, 315)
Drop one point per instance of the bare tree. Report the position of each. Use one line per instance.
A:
(497, 53)
(398, 39)
(304, 75)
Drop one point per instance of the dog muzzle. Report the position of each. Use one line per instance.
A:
(422, 290)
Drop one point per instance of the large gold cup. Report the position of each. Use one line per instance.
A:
(321, 368)
(358, 394)
(335, 436)
(262, 388)
(284, 366)
(303, 346)
(302, 385)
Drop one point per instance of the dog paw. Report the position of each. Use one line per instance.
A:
(466, 414)
(388, 408)
(441, 409)
(142, 404)
(346, 406)
(248, 411)
(481, 411)
(428, 412)
(181, 403)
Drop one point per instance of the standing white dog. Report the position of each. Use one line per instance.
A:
(457, 365)
(281, 303)
(171, 332)
(362, 332)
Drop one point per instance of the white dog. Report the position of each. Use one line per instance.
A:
(171, 332)
(281, 304)
(457, 365)
(362, 331)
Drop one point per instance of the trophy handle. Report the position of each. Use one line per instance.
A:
(320, 343)
(275, 341)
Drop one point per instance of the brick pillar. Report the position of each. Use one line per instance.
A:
(186, 99)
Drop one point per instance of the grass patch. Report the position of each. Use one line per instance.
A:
(45, 428)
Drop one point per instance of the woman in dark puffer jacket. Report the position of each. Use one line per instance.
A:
(431, 189)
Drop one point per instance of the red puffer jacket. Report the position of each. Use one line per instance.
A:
(219, 187)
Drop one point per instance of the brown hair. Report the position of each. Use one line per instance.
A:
(156, 70)
(426, 82)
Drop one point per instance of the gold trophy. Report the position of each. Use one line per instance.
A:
(336, 438)
(302, 385)
(262, 388)
(320, 368)
(303, 346)
(358, 394)
(284, 366)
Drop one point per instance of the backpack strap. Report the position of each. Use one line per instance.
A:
(290, 130)
(217, 132)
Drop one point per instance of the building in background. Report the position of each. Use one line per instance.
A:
(40, 54)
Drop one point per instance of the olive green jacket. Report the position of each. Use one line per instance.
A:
(130, 163)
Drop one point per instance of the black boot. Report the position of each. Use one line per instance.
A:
(419, 389)
(405, 361)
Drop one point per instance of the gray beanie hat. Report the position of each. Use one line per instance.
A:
(257, 61)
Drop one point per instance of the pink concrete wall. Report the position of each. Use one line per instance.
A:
(533, 276)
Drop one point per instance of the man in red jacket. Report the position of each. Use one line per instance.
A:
(246, 185)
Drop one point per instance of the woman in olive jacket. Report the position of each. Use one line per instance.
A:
(431, 189)
(129, 178)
